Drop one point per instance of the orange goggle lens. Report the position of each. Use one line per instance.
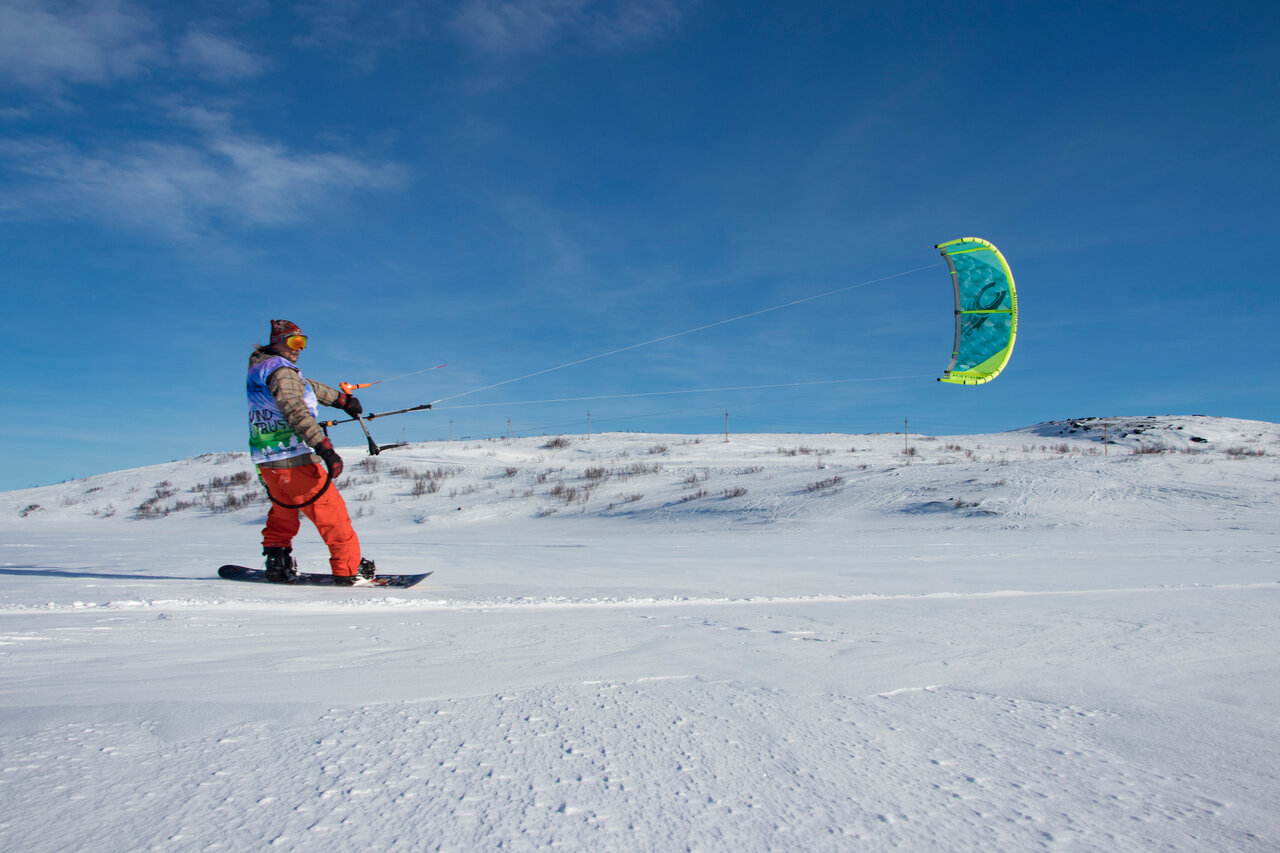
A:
(298, 342)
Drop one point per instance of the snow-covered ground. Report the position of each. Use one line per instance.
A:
(1063, 636)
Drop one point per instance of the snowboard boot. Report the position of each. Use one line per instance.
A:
(364, 575)
(281, 567)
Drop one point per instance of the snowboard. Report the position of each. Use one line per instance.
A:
(244, 573)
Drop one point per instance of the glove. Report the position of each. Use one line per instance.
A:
(349, 404)
(332, 460)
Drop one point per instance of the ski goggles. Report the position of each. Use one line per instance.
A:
(298, 342)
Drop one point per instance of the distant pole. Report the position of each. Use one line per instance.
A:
(588, 426)
(508, 429)
(906, 442)
(726, 427)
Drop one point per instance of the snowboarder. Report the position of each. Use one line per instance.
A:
(288, 445)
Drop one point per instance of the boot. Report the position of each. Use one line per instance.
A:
(364, 574)
(281, 567)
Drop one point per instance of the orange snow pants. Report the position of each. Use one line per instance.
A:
(328, 514)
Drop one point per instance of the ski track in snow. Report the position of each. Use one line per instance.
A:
(790, 642)
(499, 605)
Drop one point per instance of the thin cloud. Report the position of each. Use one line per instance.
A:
(48, 45)
(217, 58)
(361, 30)
(498, 28)
(503, 27)
(184, 191)
(632, 23)
(529, 26)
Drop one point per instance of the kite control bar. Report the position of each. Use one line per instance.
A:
(373, 415)
(374, 449)
(348, 387)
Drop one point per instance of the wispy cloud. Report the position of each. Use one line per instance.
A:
(201, 175)
(220, 181)
(636, 22)
(496, 28)
(502, 26)
(48, 45)
(217, 58)
(362, 30)
(528, 26)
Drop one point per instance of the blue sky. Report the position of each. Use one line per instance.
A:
(507, 187)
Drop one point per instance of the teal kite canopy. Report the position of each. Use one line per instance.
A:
(986, 311)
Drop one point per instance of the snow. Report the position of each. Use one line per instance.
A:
(1061, 636)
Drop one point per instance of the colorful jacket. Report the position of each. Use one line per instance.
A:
(288, 444)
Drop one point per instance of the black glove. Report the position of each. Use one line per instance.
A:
(349, 404)
(332, 460)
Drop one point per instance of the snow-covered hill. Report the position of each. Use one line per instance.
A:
(1057, 635)
(744, 479)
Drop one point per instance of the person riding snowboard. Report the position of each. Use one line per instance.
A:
(283, 433)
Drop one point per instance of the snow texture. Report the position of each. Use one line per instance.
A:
(1062, 637)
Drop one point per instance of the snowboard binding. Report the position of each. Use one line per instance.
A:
(281, 567)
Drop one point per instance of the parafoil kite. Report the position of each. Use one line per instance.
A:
(986, 311)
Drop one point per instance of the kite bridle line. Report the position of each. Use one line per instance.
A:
(695, 329)
(375, 449)
(680, 334)
(348, 387)
(770, 386)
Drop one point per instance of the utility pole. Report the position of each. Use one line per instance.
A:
(588, 426)
(508, 429)
(726, 427)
